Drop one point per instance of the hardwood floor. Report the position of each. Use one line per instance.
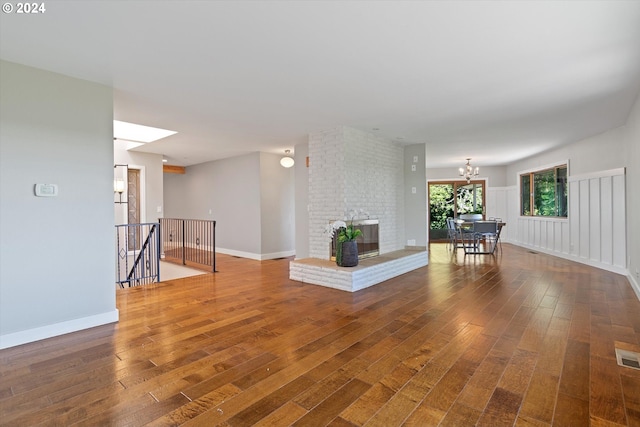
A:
(519, 339)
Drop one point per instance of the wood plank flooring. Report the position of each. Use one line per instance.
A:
(516, 339)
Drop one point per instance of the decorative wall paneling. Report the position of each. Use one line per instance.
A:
(594, 233)
(497, 207)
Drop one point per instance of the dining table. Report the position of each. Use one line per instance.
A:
(471, 246)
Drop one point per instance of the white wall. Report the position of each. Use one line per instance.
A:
(230, 191)
(631, 134)
(351, 169)
(58, 130)
(597, 153)
(415, 212)
(151, 168)
(277, 210)
(301, 201)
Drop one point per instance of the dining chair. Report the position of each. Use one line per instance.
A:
(453, 233)
(483, 231)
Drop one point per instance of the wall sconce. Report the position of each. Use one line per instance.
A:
(287, 161)
(120, 173)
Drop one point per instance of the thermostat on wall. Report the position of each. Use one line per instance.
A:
(46, 190)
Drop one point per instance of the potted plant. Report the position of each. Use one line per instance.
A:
(346, 245)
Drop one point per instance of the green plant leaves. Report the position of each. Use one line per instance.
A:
(348, 233)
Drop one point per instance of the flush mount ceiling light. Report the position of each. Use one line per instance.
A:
(468, 172)
(287, 161)
(138, 133)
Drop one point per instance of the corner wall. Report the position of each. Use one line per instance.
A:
(250, 197)
(55, 130)
(277, 210)
(301, 201)
(632, 156)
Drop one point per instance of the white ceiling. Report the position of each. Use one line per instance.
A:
(493, 80)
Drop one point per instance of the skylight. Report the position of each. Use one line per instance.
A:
(138, 133)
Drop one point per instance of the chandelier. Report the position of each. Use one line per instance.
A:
(468, 171)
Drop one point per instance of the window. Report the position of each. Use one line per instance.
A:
(451, 199)
(544, 193)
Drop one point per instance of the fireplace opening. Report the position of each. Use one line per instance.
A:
(368, 243)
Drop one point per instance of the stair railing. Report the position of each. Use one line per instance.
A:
(189, 241)
(137, 254)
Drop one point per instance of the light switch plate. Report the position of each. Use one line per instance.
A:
(413, 168)
(46, 190)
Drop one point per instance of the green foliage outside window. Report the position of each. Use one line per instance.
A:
(545, 192)
(443, 202)
(469, 200)
(440, 205)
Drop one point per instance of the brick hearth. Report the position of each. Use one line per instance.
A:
(367, 273)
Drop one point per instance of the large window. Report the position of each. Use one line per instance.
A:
(544, 193)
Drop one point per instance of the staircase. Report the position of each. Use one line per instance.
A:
(137, 254)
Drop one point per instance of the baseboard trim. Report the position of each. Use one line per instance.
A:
(634, 285)
(608, 267)
(257, 257)
(49, 331)
(276, 255)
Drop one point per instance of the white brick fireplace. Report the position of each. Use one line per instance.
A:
(354, 170)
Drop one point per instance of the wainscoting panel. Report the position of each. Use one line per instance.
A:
(606, 220)
(497, 207)
(593, 234)
(565, 236)
(595, 223)
(619, 221)
(574, 214)
(583, 216)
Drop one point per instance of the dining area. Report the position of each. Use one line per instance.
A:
(474, 235)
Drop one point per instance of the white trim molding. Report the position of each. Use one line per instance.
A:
(634, 284)
(600, 174)
(257, 257)
(49, 331)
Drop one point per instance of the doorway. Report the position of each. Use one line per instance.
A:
(450, 199)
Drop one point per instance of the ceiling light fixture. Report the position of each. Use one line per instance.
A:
(287, 161)
(468, 171)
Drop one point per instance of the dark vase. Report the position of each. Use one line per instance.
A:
(348, 256)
